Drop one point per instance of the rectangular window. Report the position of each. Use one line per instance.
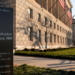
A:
(30, 13)
(60, 28)
(58, 38)
(30, 33)
(57, 27)
(54, 26)
(50, 23)
(63, 39)
(39, 17)
(45, 36)
(39, 35)
(45, 21)
(51, 37)
(54, 38)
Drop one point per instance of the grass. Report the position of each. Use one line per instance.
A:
(32, 70)
(62, 54)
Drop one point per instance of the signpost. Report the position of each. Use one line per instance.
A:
(6, 41)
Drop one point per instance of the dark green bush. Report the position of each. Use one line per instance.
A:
(33, 49)
(26, 49)
(32, 70)
(62, 54)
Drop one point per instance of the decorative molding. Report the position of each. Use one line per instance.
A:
(69, 4)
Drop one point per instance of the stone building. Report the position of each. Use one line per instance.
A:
(73, 28)
(41, 24)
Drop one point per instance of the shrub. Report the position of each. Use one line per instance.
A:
(65, 54)
(26, 49)
(33, 49)
(32, 70)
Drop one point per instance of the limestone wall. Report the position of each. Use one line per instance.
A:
(22, 23)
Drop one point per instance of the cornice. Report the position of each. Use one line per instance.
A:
(70, 3)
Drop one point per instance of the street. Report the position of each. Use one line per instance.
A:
(45, 62)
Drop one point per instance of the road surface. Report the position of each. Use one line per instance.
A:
(45, 62)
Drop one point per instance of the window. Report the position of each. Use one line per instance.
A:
(45, 36)
(30, 13)
(50, 37)
(58, 38)
(30, 33)
(45, 21)
(39, 35)
(57, 27)
(54, 38)
(39, 17)
(63, 39)
(60, 28)
(54, 26)
(50, 23)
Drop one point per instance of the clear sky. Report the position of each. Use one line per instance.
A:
(73, 9)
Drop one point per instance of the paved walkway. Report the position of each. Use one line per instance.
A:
(45, 62)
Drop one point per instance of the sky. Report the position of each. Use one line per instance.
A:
(73, 9)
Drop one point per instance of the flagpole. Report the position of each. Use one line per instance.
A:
(53, 4)
(69, 19)
(63, 14)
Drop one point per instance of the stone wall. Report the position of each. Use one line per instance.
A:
(22, 23)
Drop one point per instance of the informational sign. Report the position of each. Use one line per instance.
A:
(6, 41)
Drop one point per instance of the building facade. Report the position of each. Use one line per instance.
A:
(73, 28)
(41, 24)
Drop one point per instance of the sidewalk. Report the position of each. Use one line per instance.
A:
(45, 62)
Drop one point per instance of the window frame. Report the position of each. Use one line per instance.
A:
(30, 33)
(30, 13)
(39, 17)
